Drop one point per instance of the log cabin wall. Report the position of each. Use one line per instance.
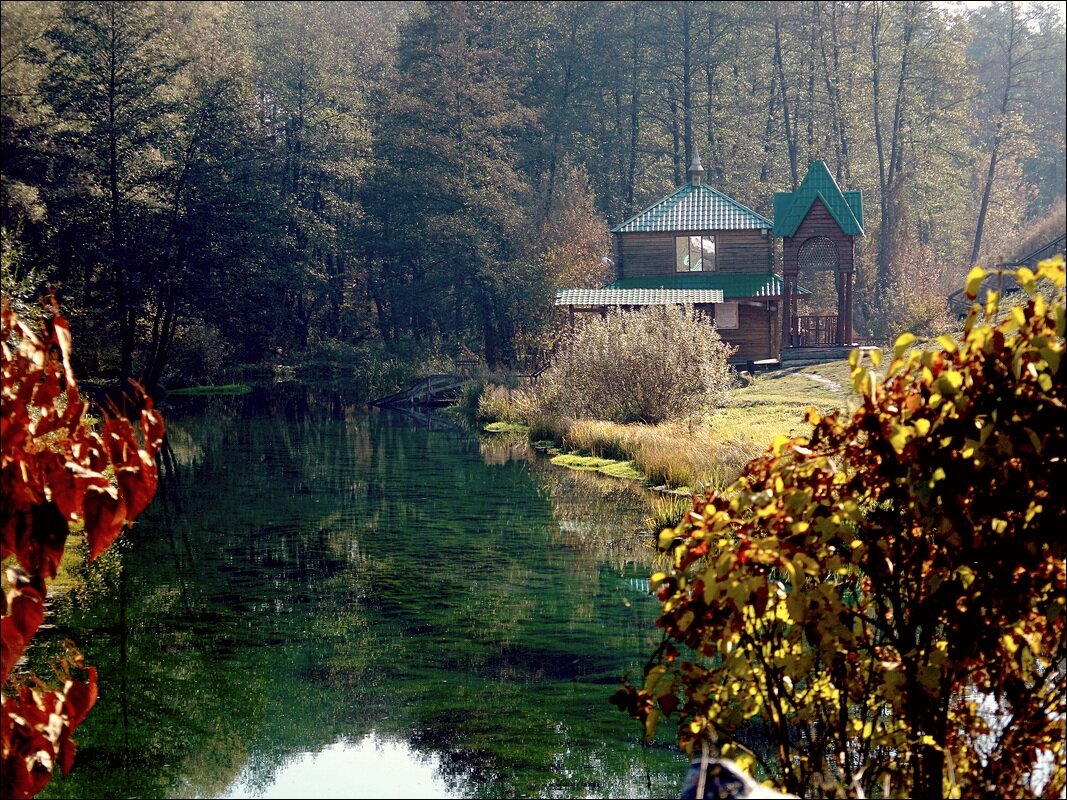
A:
(755, 334)
(639, 254)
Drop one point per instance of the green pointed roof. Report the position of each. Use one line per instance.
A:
(694, 207)
(790, 208)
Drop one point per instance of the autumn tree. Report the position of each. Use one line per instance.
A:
(879, 606)
(55, 471)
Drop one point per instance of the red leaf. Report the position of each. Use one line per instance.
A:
(25, 613)
(41, 549)
(138, 486)
(152, 428)
(81, 697)
(105, 515)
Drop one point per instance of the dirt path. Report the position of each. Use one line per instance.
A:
(829, 382)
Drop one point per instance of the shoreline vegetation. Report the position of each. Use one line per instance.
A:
(677, 456)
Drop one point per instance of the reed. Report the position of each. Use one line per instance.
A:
(667, 510)
(671, 454)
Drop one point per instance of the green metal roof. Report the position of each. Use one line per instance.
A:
(694, 208)
(732, 286)
(637, 296)
(790, 208)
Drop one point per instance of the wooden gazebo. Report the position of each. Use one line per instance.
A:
(818, 224)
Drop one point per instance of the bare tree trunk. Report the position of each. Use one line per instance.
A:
(831, 63)
(635, 120)
(686, 13)
(790, 137)
(676, 135)
(998, 136)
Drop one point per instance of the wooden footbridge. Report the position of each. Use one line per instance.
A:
(432, 390)
(1000, 280)
(446, 389)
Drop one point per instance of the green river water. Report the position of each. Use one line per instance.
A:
(328, 602)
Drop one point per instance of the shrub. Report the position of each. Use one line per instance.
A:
(661, 362)
(880, 607)
(55, 471)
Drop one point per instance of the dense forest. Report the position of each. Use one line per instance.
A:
(219, 184)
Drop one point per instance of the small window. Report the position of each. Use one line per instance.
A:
(694, 253)
(726, 316)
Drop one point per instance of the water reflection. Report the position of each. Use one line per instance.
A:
(368, 768)
(315, 585)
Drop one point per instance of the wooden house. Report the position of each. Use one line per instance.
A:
(699, 246)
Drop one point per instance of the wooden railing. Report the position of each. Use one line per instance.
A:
(815, 331)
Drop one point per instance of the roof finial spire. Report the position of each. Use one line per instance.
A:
(696, 171)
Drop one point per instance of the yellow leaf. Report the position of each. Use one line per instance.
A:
(991, 303)
(1027, 280)
(898, 437)
(1052, 358)
(950, 382)
(903, 342)
(922, 426)
(974, 282)
(947, 342)
(876, 356)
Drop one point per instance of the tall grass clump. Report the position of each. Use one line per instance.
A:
(658, 363)
(671, 454)
(500, 404)
(600, 439)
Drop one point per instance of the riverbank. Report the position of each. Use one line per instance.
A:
(687, 455)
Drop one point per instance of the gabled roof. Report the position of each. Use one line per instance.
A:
(694, 208)
(732, 286)
(611, 296)
(790, 208)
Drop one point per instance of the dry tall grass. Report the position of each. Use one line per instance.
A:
(674, 454)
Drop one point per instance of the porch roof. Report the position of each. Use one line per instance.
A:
(651, 296)
(731, 285)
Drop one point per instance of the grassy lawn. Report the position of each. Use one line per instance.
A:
(775, 402)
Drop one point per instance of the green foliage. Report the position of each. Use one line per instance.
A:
(232, 178)
(880, 605)
(658, 363)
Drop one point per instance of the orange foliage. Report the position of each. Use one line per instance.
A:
(53, 474)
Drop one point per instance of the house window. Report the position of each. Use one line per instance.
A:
(694, 253)
(726, 316)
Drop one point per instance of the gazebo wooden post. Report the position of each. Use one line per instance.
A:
(789, 296)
